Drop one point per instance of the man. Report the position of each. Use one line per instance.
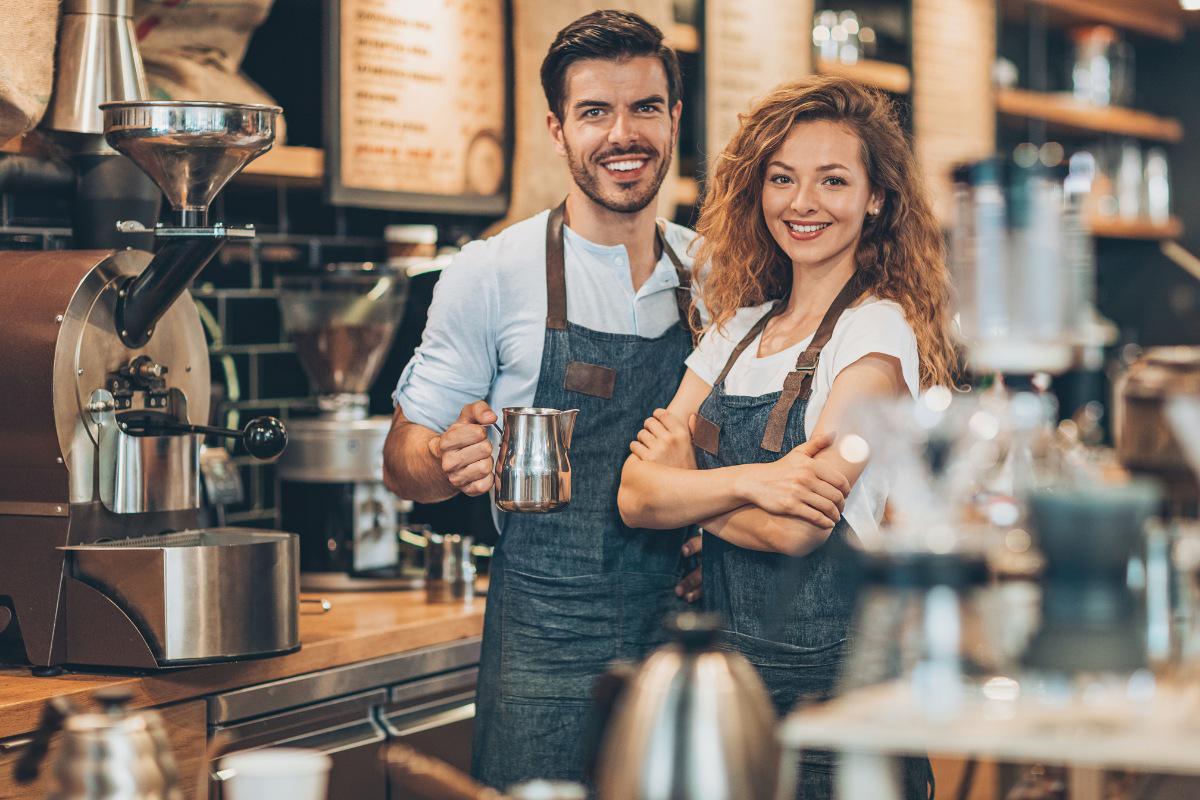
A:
(582, 307)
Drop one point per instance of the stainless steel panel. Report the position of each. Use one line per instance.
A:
(276, 696)
(148, 473)
(334, 451)
(88, 349)
(201, 595)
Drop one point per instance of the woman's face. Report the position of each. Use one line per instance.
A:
(816, 194)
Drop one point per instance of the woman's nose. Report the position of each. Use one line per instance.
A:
(804, 202)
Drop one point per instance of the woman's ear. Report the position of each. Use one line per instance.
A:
(875, 205)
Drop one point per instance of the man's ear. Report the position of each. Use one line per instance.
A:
(676, 114)
(554, 125)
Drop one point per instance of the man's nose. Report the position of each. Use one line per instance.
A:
(622, 130)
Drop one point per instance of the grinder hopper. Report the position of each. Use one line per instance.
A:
(343, 320)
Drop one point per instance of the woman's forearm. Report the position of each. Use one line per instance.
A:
(755, 529)
(654, 495)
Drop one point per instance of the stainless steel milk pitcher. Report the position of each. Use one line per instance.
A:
(533, 473)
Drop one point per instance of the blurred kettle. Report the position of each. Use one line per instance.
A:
(695, 724)
(115, 754)
(533, 473)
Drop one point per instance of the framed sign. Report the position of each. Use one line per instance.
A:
(417, 107)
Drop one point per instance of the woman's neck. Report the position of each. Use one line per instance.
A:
(814, 287)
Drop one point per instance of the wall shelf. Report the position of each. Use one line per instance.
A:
(1115, 228)
(880, 74)
(295, 165)
(1159, 18)
(687, 190)
(684, 38)
(1064, 112)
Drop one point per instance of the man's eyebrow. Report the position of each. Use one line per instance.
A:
(592, 104)
(652, 99)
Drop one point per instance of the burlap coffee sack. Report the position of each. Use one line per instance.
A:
(193, 50)
(539, 177)
(27, 32)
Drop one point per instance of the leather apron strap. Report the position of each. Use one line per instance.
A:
(798, 383)
(556, 276)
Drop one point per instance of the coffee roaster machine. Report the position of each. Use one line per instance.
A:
(102, 561)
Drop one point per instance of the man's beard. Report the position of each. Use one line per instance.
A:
(629, 201)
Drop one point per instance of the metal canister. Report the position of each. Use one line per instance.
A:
(1145, 440)
(449, 568)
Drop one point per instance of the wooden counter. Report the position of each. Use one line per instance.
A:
(360, 626)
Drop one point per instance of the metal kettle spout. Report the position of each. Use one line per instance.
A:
(566, 426)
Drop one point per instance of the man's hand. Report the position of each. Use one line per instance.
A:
(464, 451)
(691, 587)
(666, 440)
(797, 485)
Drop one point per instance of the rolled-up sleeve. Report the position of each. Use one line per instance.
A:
(456, 361)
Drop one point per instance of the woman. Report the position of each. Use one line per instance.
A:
(826, 284)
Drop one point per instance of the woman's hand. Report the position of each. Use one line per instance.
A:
(798, 485)
(665, 439)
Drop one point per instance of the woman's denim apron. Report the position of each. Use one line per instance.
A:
(790, 617)
(573, 591)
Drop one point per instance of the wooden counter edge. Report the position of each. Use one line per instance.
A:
(22, 696)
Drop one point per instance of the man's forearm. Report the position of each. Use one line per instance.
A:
(410, 469)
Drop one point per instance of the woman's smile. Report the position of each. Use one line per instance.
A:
(806, 231)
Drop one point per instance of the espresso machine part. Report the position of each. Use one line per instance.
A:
(100, 445)
(695, 723)
(116, 754)
(449, 568)
(1091, 618)
(533, 472)
(342, 319)
(1146, 442)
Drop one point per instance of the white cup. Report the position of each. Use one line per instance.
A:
(276, 773)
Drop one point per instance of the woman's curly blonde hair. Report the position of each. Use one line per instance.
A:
(901, 255)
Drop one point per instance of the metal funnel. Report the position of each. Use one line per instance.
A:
(190, 149)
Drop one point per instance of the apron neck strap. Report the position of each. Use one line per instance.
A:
(556, 270)
(798, 383)
(556, 274)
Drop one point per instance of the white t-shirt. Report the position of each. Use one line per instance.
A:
(872, 326)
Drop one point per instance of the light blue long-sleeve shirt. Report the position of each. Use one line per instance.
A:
(487, 322)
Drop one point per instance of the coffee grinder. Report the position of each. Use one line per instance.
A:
(342, 320)
(103, 560)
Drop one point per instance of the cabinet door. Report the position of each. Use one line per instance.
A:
(435, 716)
(344, 729)
(185, 725)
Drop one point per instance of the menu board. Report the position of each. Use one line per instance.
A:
(417, 101)
(750, 46)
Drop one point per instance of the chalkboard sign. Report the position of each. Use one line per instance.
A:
(417, 105)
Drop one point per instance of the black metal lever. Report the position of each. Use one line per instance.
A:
(264, 437)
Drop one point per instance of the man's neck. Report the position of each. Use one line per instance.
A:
(603, 226)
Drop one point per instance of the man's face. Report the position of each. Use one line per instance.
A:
(617, 131)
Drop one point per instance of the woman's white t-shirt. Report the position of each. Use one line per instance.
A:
(872, 326)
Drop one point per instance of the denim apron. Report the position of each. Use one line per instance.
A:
(573, 591)
(790, 617)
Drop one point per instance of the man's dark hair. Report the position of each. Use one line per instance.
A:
(612, 35)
